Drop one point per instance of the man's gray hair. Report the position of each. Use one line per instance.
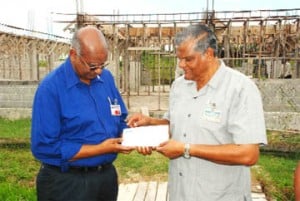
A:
(204, 37)
(75, 42)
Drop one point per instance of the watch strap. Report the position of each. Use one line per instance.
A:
(186, 153)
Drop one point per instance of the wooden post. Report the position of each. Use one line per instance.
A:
(33, 62)
(277, 49)
(297, 48)
(115, 55)
(226, 39)
(245, 41)
(127, 66)
(159, 67)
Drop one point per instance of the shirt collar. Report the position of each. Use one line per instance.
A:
(98, 78)
(217, 77)
(71, 76)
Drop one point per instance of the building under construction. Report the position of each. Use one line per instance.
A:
(260, 43)
(263, 44)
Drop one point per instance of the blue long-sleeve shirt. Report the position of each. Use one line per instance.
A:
(68, 113)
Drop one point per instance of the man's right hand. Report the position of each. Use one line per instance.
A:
(138, 119)
(113, 145)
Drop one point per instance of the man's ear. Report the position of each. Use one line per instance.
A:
(210, 53)
(72, 55)
(72, 52)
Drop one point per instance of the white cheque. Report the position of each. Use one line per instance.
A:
(145, 135)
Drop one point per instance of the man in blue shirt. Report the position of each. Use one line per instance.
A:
(77, 119)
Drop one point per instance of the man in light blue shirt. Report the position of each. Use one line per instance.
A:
(216, 124)
(77, 119)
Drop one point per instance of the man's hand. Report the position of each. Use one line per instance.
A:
(138, 119)
(171, 149)
(113, 145)
(145, 150)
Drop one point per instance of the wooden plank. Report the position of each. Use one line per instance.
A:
(258, 196)
(127, 192)
(143, 48)
(151, 193)
(154, 191)
(162, 192)
(141, 191)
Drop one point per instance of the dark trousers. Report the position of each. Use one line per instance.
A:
(96, 185)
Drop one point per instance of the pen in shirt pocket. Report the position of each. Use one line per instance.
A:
(115, 101)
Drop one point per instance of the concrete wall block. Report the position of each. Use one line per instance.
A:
(7, 104)
(33, 89)
(281, 101)
(4, 97)
(272, 107)
(5, 89)
(280, 92)
(282, 120)
(23, 104)
(15, 96)
(15, 113)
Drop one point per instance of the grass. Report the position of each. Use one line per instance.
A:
(15, 129)
(135, 167)
(18, 168)
(276, 174)
(277, 163)
(17, 173)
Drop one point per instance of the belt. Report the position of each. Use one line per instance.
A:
(80, 169)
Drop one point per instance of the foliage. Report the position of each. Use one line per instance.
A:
(283, 142)
(150, 62)
(43, 63)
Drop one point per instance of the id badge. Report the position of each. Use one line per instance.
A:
(211, 113)
(115, 110)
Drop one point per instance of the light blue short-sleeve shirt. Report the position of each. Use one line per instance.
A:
(227, 110)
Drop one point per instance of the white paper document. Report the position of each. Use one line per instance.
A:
(145, 135)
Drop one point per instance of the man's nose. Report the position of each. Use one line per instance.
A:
(182, 63)
(98, 71)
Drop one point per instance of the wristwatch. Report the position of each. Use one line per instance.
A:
(186, 153)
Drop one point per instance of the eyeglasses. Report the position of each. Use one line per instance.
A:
(93, 66)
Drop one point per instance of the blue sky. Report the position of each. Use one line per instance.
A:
(17, 12)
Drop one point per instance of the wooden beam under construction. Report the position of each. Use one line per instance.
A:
(144, 48)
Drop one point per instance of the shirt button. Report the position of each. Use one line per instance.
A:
(184, 134)
(189, 115)
(180, 173)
